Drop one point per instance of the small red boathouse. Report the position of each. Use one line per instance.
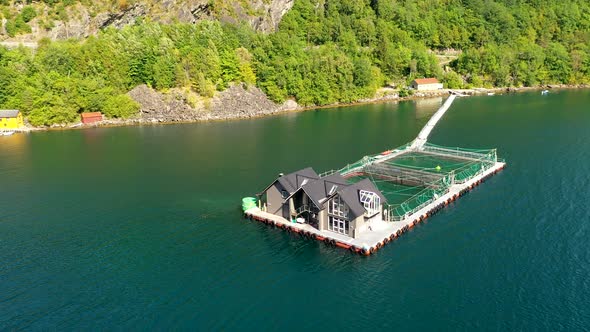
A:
(91, 117)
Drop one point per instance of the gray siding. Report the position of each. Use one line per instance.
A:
(274, 200)
(323, 219)
(356, 224)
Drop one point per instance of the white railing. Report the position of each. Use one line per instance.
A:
(423, 135)
(305, 208)
(489, 155)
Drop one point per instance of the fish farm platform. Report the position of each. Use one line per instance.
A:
(382, 233)
(413, 181)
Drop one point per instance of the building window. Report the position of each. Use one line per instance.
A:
(371, 202)
(338, 207)
(284, 194)
(338, 225)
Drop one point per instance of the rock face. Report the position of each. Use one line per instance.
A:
(262, 15)
(161, 107)
(122, 18)
(270, 14)
(236, 102)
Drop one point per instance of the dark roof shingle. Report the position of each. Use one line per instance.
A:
(318, 190)
(291, 182)
(351, 196)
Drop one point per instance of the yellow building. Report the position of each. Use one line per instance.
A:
(11, 119)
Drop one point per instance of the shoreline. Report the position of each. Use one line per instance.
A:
(208, 117)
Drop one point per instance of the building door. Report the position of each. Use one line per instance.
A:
(338, 225)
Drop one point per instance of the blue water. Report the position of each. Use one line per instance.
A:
(137, 228)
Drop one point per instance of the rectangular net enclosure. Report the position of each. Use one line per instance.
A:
(395, 193)
(410, 178)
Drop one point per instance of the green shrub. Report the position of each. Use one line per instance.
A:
(10, 28)
(405, 92)
(453, 80)
(120, 106)
(28, 13)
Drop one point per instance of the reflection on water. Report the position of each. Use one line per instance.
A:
(138, 228)
(426, 107)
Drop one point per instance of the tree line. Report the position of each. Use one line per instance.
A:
(324, 52)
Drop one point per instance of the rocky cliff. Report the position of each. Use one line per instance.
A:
(237, 102)
(80, 21)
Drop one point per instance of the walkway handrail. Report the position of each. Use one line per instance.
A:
(423, 135)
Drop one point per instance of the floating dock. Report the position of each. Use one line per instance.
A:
(417, 180)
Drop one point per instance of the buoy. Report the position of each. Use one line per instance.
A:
(343, 245)
(438, 168)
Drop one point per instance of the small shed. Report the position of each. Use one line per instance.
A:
(11, 119)
(422, 84)
(91, 117)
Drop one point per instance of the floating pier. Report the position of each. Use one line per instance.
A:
(367, 204)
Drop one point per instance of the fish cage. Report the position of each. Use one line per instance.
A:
(413, 177)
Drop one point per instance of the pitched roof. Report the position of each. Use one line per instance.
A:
(292, 181)
(320, 189)
(351, 196)
(90, 114)
(431, 80)
(8, 113)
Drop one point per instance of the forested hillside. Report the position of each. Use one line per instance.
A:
(323, 52)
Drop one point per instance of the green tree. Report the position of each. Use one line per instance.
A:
(120, 106)
(51, 109)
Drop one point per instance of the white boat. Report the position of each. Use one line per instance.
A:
(544, 92)
(6, 133)
(491, 93)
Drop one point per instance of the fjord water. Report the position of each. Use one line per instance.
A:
(138, 228)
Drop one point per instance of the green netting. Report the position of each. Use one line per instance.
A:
(395, 193)
(428, 162)
(416, 202)
(403, 165)
(470, 171)
(478, 154)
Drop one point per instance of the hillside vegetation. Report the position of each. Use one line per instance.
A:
(324, 52)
